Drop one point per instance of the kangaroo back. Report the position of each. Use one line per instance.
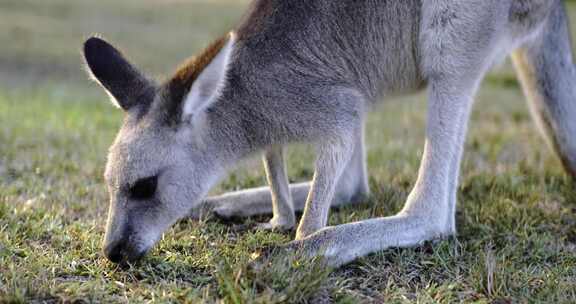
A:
(368, 45)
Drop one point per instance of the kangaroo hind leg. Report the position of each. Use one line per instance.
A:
(458, 48)
(547, 72)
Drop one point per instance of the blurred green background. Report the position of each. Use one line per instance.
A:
(517, 228)
(41, 40)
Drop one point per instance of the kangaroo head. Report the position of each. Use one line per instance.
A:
(159, 166)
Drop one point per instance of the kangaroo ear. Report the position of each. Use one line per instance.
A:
(207, 87)
(123, 82)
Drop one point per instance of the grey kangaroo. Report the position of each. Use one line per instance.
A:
(308, 71)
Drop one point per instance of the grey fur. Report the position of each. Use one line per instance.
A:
(308, 71)
(282, 206)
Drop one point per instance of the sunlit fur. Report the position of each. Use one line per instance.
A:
(308, 71)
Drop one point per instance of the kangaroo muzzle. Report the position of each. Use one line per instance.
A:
(124, 248)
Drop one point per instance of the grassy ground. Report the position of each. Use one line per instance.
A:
(516, 213)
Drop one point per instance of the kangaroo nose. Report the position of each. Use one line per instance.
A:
(113, 252)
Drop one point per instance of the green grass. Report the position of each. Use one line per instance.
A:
(516, 213)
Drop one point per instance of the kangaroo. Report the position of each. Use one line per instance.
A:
(307, 71)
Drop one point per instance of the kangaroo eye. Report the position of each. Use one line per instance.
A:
(144, 188)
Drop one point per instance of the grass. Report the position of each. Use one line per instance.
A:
(516, 213)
